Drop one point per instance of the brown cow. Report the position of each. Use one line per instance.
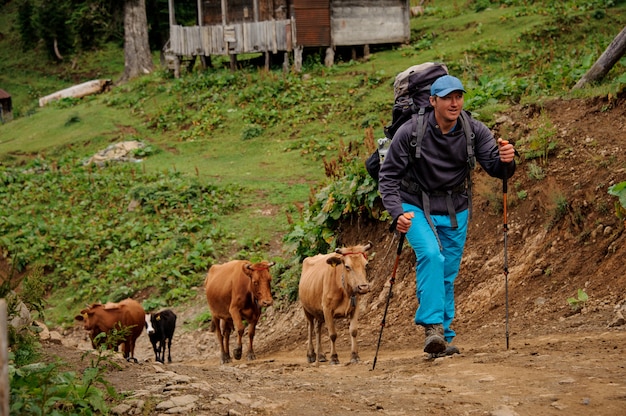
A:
(329, 289)
(235, 291)
(127, 314)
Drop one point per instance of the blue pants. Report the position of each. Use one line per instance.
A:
(436, 268)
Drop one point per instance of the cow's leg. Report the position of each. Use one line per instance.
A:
(310, 352)
(239, 347)
(126, 349)
(133, 342)
(251, 331)
(169, 350)
(321, 357)
(156, 350)
(332, 334)
(238, 325)
(129, 350)
(353, 333)
(227, 328)
(162, 349)
(222, 340)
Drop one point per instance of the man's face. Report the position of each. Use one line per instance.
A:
(448, 108)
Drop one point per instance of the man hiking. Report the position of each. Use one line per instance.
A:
(428, 195)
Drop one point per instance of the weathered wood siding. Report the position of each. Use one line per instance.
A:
(238, 11)
(370, 22)
(272, 36)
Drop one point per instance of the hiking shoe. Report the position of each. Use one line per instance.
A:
(450, 350)
(434, 342)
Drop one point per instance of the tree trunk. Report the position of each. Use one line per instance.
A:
(603, 65)
(137, 56)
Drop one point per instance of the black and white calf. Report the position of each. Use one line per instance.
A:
(160, 328)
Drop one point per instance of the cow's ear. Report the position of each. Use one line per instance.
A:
(334, 260)
(79, 318)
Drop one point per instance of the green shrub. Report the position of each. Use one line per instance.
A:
(42, 389)
(619, 190)
(577, 303)
(94, 229)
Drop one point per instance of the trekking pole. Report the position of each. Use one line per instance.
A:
(506, 260)
(391, 282)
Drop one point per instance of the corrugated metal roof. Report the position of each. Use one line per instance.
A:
(4, 94)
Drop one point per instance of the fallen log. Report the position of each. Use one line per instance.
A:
(77, 91)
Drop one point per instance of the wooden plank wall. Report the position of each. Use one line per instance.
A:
(271, 36)
(371, 25)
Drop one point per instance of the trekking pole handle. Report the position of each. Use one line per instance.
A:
(504, 179)
(401, 243)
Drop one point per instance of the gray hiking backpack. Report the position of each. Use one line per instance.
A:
(411, 102)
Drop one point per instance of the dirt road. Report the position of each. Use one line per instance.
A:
(573, 367)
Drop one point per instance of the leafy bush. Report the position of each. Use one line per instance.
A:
(95, 229)
(619, 190)
(353, 194)
(42, 389)
(252, 131)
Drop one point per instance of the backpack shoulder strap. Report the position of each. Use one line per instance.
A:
(419, 129)
(469, 137)
(471, 155)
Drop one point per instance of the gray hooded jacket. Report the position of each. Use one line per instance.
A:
(442, 168)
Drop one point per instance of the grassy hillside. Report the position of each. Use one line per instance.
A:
(250, 145)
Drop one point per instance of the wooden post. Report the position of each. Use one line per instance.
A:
(329, 60)
(200, 24)
(4, 360)
(170, 9)
(297, 58)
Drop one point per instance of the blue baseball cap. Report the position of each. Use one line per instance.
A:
(445, 85)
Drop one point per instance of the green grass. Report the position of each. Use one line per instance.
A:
(48, 129)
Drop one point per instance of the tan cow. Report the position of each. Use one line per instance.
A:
(127, 315)
(236, 291)
(329, 289)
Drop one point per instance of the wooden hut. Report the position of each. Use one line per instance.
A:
(231, 27)
(6, 108)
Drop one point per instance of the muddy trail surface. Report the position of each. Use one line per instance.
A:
(568, 368)
(564, 236)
